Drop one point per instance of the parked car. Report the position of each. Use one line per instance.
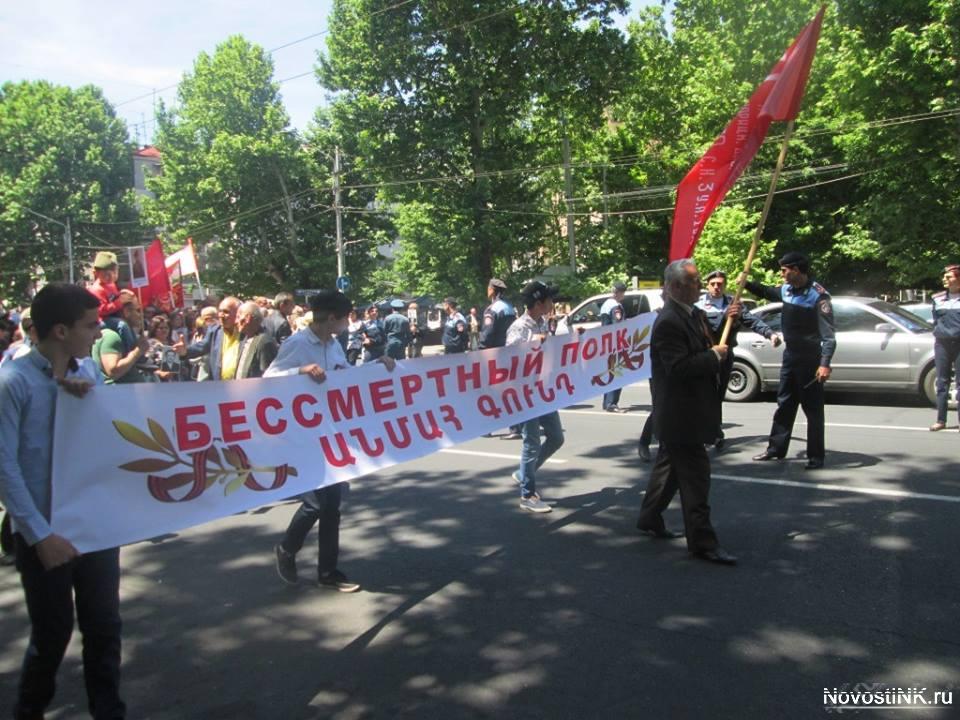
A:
(880, 348)
(921, 310)
(586, 315)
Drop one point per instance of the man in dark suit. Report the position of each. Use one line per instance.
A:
(257, 346)
(686, 412)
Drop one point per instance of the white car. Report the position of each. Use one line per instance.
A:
(586, 315)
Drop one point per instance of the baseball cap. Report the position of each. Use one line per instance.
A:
(535, 291)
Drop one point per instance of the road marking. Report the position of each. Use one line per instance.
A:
(501, 456)
(642, 413)
(882, 492)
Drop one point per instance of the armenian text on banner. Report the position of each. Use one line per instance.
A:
(135, 461)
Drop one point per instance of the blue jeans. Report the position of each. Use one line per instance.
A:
(534, 453)
(946, 356)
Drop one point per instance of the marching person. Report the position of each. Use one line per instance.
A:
(808, 333)
(315, 352)
(611, 313)
(686, 409)
(57, 579)
(220, 347)
(258, 348)
(946, 345)
(718, 306)
(456, 334)
(529, 328)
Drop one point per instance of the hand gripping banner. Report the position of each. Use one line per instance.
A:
(135, 461)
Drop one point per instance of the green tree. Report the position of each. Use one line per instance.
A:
(63, 154)
(237, 179)
(451, 105)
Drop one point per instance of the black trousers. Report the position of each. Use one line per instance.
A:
(6, 535)
(92, 583)
(797, 390)
(685, 468)
(322, 508)
(726, 368)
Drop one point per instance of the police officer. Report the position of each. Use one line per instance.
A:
(455, 332)
(718, 306)
(946, 345)
(497, 318)
(374, 338)
(397, 328)
(611, 313)
(807, 326)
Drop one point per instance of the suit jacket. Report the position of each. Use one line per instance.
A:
(211, 349)
(686, 401)
(256, 354)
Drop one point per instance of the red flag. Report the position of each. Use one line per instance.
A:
(707, 183)
(157, 292)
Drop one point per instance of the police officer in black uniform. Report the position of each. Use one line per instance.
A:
(946, 345)
(808, 331)
(497, 318)
(717, 305)
(455, 332)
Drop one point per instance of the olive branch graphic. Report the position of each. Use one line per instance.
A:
(620, 361)
(227, 465)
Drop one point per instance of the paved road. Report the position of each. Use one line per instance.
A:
(474, 609)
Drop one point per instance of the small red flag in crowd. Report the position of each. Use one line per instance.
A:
(157, 290)
(707, 183)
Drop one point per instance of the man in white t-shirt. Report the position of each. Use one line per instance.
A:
(315, 352)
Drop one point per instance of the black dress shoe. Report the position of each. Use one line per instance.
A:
(644, 452)
(767, 455)
(717, 555)
(660, 533)
(721, 441)
(813, 464)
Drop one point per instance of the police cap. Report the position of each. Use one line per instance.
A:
(797, 260)
(718, 274)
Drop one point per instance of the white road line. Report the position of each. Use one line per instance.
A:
(503, 456)
(882, 492)
(643, 414)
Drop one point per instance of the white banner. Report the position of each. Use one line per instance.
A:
(135, 461)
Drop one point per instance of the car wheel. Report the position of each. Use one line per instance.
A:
(744, 383)
(928, 386)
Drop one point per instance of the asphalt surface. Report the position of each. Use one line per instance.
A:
(472, 608)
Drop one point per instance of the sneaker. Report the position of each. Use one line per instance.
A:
(512, 436)
(937, 426)
(286, 566)
(516, 477)
(614, 409)
(534, 504)
(336, 580)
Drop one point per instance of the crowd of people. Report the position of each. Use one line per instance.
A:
(691, 357)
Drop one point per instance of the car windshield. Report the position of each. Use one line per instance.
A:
(910, 321)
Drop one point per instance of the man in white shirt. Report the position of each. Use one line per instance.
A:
(315, 352)
(528, 328)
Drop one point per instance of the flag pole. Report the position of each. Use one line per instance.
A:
(741, 281)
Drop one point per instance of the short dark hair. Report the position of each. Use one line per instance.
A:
(327, 302)
(60, 304)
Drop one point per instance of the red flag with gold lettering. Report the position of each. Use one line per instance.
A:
(707, 183)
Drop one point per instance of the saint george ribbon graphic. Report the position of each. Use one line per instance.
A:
(199, 480)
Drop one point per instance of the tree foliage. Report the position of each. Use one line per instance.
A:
(63, 154)
(237, 180)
